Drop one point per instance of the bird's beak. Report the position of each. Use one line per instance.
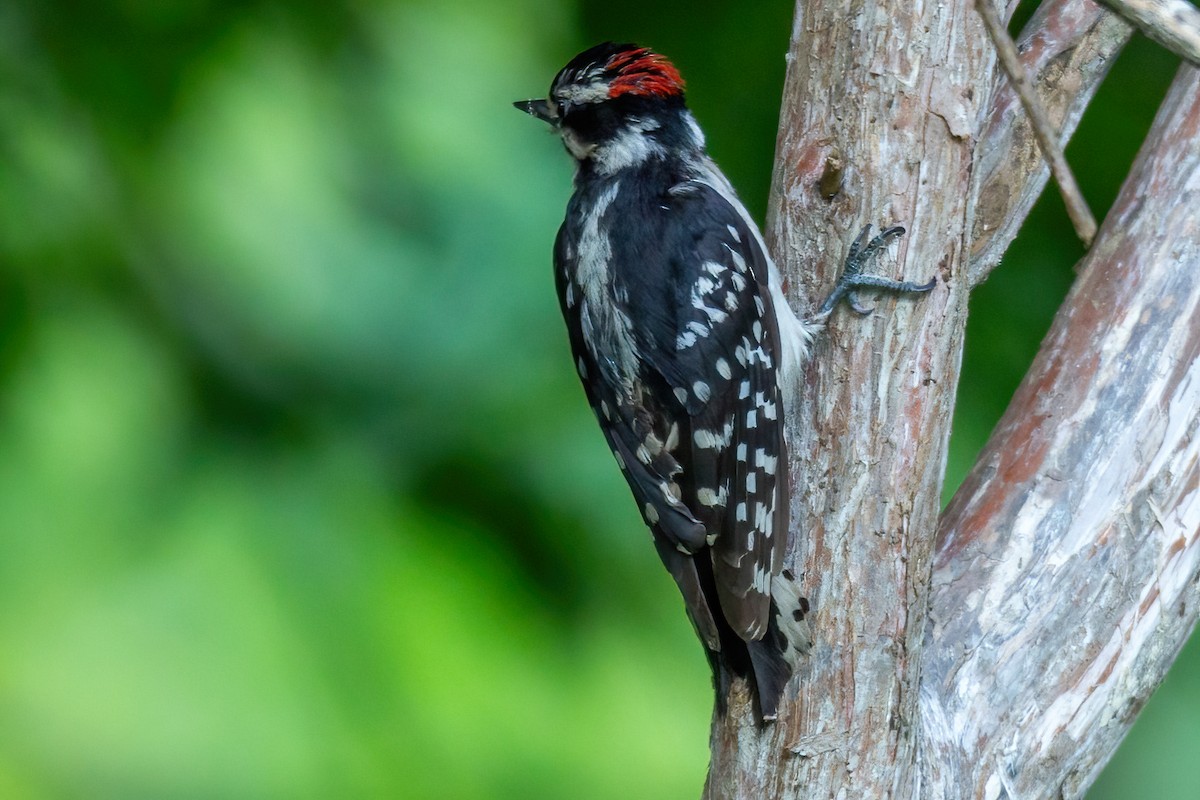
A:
(536, 108)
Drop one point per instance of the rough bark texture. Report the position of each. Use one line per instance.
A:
(880, 106)
(1084, 489)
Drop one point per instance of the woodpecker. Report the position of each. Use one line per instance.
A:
(684, 343)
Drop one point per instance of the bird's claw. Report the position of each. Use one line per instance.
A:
(862, 249)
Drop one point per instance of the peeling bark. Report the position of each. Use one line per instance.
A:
(997, 679)
(1067, 574)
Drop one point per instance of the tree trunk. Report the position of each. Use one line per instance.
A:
(1004, 649)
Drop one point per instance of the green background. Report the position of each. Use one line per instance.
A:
(299, 496)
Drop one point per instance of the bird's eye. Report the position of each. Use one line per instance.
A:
(564, 107)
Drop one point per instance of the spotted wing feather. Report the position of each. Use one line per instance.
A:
(695, 423)
(725, 330)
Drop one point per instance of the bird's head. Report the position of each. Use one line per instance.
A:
(617, 105)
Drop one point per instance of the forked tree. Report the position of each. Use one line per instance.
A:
(1001, 647)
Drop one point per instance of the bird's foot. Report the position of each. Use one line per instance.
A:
(852, 278)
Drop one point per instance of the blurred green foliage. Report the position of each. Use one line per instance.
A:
(299, 496)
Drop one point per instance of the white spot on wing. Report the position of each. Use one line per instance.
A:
(760, 517)
(722, 369)
(757, 355)
(711, 440)
(739, 263)
(651, 513)
(702, 390)
(672, 437)
(741, 512)
(765, 462)
(714, 315)
(762, 580)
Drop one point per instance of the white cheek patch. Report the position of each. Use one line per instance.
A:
(628, 148)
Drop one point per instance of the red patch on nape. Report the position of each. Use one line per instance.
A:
(643, 72)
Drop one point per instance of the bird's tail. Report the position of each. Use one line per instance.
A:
(773, 658)
(768, 662)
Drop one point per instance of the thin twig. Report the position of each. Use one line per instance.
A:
(1067, 48)
(1175, 24)
(1077, 208)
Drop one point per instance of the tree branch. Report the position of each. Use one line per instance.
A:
(1175, 24)
(1068, 47)
(1067, 574)
(1043, 131)
(870, 133)
(1067, 570)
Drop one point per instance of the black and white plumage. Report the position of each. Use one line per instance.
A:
(682, 339)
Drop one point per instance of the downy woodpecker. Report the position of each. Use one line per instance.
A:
(683, 341)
